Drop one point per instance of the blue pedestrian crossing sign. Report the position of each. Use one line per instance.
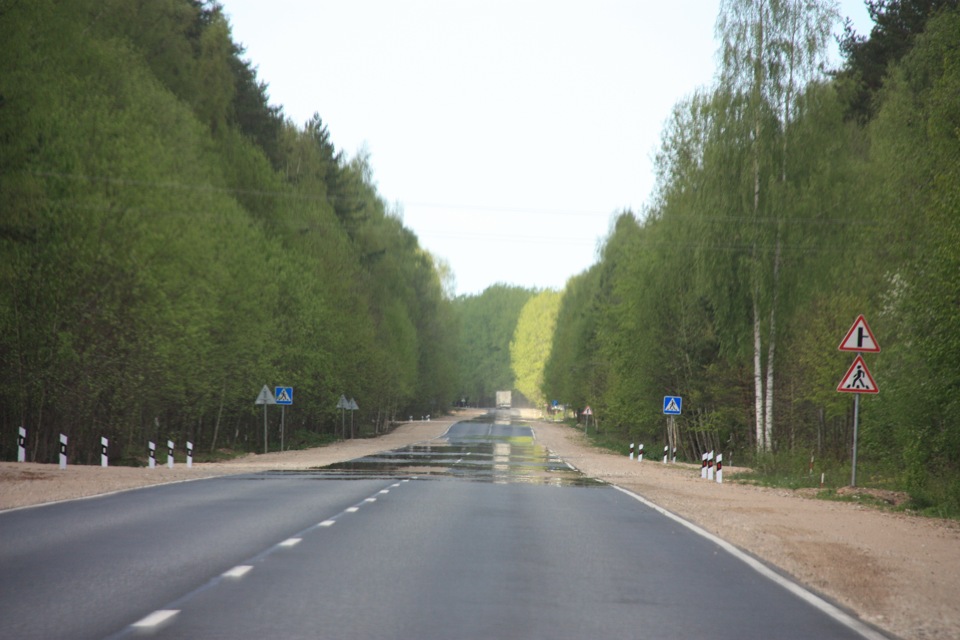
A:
(284, 395)
(671, 405)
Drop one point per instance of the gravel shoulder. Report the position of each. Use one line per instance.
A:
(896, 571)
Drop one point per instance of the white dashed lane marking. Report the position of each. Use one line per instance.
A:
(156, 618)
(161, 616)
(238, 571)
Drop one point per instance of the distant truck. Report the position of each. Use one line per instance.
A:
(503, 399)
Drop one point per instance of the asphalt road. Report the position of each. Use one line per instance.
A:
(484, 536)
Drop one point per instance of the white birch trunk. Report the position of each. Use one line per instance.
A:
(771, 348)
(768, 410)
(758, 375)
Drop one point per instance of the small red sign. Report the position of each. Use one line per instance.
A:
(858, 379)
(860, 338)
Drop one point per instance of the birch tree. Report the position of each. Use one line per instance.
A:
(769, 50)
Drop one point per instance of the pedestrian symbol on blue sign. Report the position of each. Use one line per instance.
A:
(672, 405)
(284, 395)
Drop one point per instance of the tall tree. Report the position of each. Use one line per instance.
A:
(531, 344)
(768, 48)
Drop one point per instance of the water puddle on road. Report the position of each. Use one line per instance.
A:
(476, 451)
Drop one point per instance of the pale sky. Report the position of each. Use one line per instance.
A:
(509, 133)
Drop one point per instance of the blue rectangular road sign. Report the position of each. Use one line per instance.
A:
(672, 405)
(284, 395)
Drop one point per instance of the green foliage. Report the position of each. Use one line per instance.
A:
(775, 222)
(488, 323)
(530, 347)
(170, 245)
(896, 24)
(573, 371)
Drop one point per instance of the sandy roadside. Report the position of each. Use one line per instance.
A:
(26, 484)
(899, 572)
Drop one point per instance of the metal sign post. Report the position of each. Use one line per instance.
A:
(353, 407)
(858, 379)
(672, 406)
(265, 398)
(284, 397)
(343, 404)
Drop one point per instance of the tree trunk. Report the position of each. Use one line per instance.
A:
(771, 348)
(758, 377)
(216, 427)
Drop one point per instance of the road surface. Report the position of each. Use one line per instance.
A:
(482, 534)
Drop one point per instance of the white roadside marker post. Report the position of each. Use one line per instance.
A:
(710, 466)
(631, 451)
(22, 445)
(152, 462)
(666, 453)
(104, 461)
(640, 453)
(170, 454)
(719, 468)
(189, 455)
(63, 451)
(703, 465)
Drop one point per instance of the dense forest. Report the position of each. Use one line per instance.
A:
(789, 201)
(172, 242)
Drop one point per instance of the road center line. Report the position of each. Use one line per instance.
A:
(238, 571)
(156, 618)
(160, 616)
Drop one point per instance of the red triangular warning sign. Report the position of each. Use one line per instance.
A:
(858, 379)
(860, 338)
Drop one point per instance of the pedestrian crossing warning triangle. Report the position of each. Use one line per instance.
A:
(858, 379)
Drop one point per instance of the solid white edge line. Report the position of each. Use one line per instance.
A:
(238, 571)
(111, 493)
(807, 596)
(156, 618)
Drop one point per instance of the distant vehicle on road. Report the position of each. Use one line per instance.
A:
(504, 399)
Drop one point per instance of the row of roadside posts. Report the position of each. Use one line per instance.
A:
(104, 443)
(711, 467)
(857, 380)
(282, 396)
